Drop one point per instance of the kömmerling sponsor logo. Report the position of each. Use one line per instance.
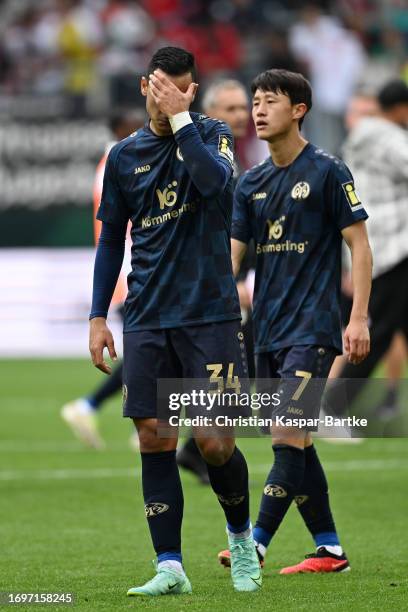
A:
(281, 247)
(174, 214)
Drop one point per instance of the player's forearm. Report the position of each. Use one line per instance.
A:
(361, 272)
(238, 250)
(108, 263)
(209, 175)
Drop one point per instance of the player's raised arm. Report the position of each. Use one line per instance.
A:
(357, 336)
(108, 262)
(208, 163)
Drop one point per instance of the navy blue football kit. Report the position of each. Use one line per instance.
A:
(295, 215)
(177, 192)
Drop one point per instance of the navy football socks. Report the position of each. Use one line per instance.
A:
(312, 500)
(283, 481)
(230, 484)
(164, 503)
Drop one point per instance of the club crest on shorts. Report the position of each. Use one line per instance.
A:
(155, 508)
(124, 393)
(275, 491)
(300, 191)
(179, 155)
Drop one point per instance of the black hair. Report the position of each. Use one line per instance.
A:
(393, 93)
(292, 84)
(174, 61)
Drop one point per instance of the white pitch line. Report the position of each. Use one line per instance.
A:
(68, 474)
(371, 465)
(74, 446)
(44, 446)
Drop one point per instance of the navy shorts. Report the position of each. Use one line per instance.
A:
(181, 352)
(300, 374)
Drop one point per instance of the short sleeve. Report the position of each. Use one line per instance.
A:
(345, 205)
(241, 221)
(112, 208)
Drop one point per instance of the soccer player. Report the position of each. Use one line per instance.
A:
(81, 414)
(173, 180)
(298, 206)
(227, 100)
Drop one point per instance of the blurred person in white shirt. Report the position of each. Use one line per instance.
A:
(334, 59)
(376, 150)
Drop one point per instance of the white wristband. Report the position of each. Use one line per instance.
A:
(179, 121)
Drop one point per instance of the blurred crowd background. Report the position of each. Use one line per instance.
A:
(89, 50)
(67, 65)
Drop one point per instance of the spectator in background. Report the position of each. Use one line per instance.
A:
(29, 48)
(75, 47)
(360, 105)
(227, 100)
(129, 33)
(377, 152)
(79, 42)
(334, 58)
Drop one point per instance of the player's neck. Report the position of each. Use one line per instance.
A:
(286, 148)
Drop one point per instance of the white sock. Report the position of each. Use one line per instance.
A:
(243, 535)
(334, 550)
(171, 563)
(261, 548)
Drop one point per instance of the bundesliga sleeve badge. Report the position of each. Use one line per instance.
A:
(224, 149)
(351, 196)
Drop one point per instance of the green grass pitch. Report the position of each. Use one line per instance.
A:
(71, 520)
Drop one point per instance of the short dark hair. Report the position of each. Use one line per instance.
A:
(292, 84)
(173, 61)
(393, 93)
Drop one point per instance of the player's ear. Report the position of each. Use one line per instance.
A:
(143, 86)
(299, 110)
(192, 90)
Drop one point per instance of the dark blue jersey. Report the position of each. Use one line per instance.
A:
(295, 216)
(181, 219)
